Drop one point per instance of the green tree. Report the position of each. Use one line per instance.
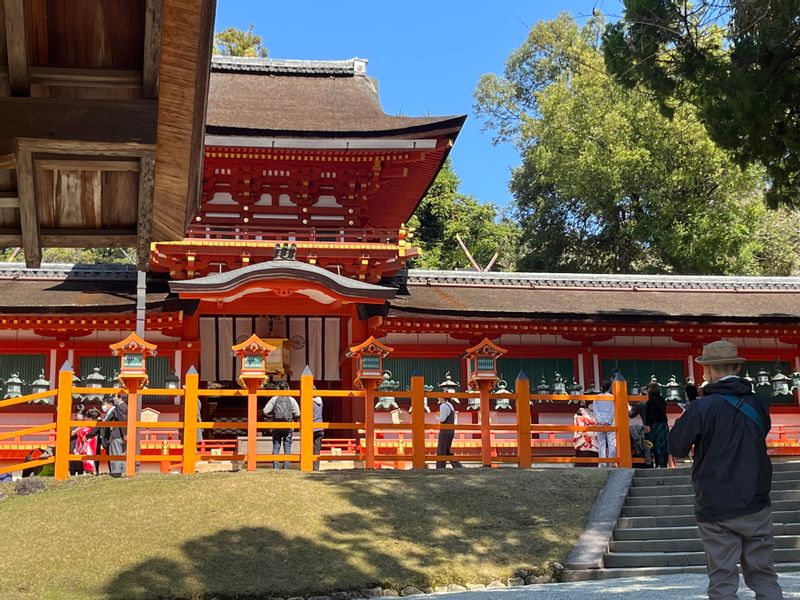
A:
(445, 213)
(237, 42)
(608, 183)
(737, 62)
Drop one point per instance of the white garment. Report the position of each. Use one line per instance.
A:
(606, 445)
(445, 408)
(604, 410)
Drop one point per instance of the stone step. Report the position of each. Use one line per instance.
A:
(665, 477)
(688, 509)
(684, 532)
(656, 533)
(625, 522)
(598, 574)
(679, 559)
(638, 491)
(685, 545)
(777, 467)
(688, 499)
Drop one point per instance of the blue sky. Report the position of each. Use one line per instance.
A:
(426, 55)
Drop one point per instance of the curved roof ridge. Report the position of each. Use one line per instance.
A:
(278, 269)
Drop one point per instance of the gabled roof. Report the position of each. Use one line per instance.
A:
(303, 98)
(282, 270)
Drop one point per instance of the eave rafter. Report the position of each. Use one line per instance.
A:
(582, 332)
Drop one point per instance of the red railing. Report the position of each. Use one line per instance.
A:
(345, 235)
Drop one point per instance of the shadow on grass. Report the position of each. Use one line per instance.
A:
(394, 529)
(468, 525)
(245, 563)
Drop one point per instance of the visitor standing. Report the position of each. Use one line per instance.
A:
(604, 415)
(584, 442)
(732, 476)
(282, 409)
(112, 438)
(447, 416)
(319, 433)
(656, 420)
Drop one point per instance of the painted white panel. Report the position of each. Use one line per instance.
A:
(264, 200)
(222, 198)
(285, 200)
(297, 361)
(224, 343)
(327, 201)
(208, 348)
(314, 341)
(333, 340)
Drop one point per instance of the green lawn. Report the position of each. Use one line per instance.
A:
(254, 535)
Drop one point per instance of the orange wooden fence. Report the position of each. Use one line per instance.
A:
(483, 435)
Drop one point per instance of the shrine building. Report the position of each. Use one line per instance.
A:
(300, 236)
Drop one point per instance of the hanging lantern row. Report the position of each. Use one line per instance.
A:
(560, 387)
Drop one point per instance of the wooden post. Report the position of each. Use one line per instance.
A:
(418, 421)
(252, 422)
(190, 421)
(622, 422)
(369, 422)
(486, 432)
(131, 434)
(63, 417)
(523, 401)
(307, 420)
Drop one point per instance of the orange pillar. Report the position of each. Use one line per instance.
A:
(307, 420)
(523, 389)
(63, 417)
(252, 422)
(621, 420)
(486, 433)
(131, 434)
(418, 421)
(369, 422)
(190, 421)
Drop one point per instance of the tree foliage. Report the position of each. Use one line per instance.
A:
(445, 213)
(608, 183)
(82, 256)
(736, 61)
(237, 42)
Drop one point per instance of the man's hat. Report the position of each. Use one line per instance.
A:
(720, 352)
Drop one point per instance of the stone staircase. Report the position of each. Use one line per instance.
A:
(656, 533)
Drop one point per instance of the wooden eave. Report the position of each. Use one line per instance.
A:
(85, 94)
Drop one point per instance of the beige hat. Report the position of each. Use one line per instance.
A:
(720, 353)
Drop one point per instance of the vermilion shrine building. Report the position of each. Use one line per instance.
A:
(300, 155)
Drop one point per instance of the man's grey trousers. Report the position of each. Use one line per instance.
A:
(747, 539)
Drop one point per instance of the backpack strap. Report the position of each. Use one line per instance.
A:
(749, 411)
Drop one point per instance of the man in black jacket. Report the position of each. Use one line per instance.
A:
(732, 476)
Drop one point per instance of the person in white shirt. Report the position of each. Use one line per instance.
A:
(604, 415)
(447, 416)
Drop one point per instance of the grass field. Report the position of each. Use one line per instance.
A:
(263, 534)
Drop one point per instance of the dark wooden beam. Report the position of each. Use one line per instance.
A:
(92, 238)
(17, 48)
(153, 18)
(144, 233)
(102, 78)
(186, 42)
(28, 219)
(10, 240)
(78, 119)
(8, 161)
(9, 200)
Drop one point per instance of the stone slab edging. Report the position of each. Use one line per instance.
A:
(593, 542)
